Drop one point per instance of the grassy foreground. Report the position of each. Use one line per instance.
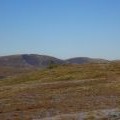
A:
(66, 89)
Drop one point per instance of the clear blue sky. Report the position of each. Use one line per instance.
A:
(61, 28)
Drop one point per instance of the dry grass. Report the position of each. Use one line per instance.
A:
(60, 90)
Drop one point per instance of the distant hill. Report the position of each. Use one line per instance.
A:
(28, 60)
(82, 60)
(42, 61)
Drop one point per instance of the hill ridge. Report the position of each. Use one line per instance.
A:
(42, 61)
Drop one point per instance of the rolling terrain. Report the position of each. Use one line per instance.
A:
(28, 60)
(82, 60)
(42, 61)
(65, 91)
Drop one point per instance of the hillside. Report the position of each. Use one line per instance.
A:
(42, 61)
(82, 60)
(17, 64)
(28, 60)
(63, 92)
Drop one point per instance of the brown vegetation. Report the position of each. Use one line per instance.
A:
(64, 89)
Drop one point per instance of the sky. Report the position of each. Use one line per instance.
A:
(60, 28)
